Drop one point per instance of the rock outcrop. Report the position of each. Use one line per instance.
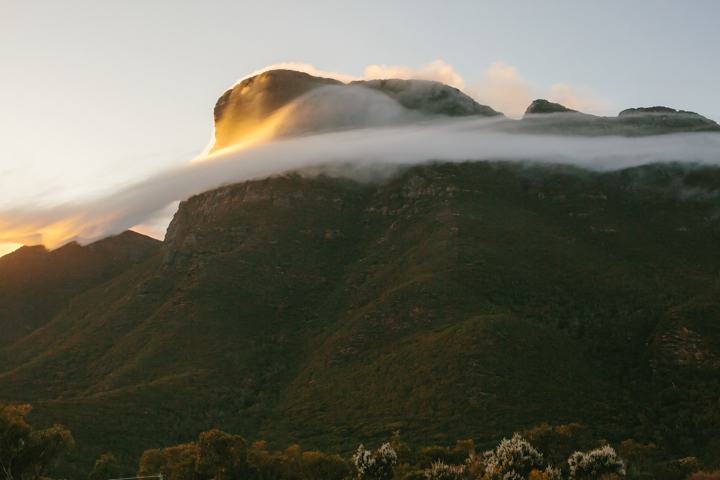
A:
(430, 97)
(544, 117)
(242, 108)
(541, 106)
(280, 103)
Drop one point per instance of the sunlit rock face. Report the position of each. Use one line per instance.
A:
(240, 110)
(281, 103)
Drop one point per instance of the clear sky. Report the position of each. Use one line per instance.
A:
(95, 93)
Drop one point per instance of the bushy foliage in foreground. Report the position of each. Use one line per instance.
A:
(442, 471)
(376, 465)
(513, 459)
(596, 463)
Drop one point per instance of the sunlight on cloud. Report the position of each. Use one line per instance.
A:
(581, 99)
(437, 71)
(6, 248)
(502, 88)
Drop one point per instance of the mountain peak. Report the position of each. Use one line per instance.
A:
(278, 103)
(542, 106)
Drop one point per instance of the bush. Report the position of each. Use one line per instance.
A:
(443, 471)
(378, 465)
(595, 464)
(513, 459)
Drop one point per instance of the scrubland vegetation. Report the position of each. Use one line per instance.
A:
(561, 452)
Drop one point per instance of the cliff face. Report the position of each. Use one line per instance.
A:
(285, 102)
(462, 299)
(245, 106)
(36, 284)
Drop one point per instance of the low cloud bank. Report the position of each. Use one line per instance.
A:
(360, 153)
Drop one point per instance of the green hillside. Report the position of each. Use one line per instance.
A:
(452, 301)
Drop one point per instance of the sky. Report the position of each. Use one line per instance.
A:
(96, 95)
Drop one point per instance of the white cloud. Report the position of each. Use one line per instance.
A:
(581, 99)
(366, 151)
(502, 88)
(437, 71)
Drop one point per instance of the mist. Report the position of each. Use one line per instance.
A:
(363, 154)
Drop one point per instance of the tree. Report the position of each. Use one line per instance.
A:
(217, 456)
(106, 467)
(513, 459)
(378, 465)
(595, 464)
(174, 463)
(26, 453)
(223, 457)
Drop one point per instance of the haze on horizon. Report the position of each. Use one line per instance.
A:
(100, 97)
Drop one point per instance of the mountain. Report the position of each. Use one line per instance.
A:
(545, 117)
(36, 284)
(448, 301)
(466, 301)
(280, 103)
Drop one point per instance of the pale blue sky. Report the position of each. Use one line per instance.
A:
(95, 93)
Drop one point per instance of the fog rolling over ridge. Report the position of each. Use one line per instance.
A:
(365, 130)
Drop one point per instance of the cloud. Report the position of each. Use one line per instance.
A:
(502, 88)
(582, 99)
(360, 153)
(437, 71)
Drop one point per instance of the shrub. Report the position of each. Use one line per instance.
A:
(443, 471)
(595, 464)
(513, 459)
(549, 473)
(378, 465)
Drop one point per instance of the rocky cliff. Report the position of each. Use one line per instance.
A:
(278, 103)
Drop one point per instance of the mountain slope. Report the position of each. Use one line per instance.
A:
(463, 300)
(36, 284)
